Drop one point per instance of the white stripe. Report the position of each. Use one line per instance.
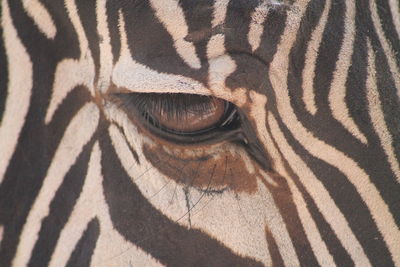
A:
(111, 248)
(219, 13)
(378, 120)
(72, 11)
(276, 225)
(41, 17)
(71, 72)
(19, 90)
(221, 63)
(390, 54)
(357, 176)
(258, 110)
(318, 246)
(256, 28)
(1, 233)
(106, 56)
(122, 148)
(278, 74)
(114, 114)
(172, 17)
(133, 76)
(337, 92)
(311, 61)
(215, 46)
(78, 133)
(320, 195)
(84, 211)
(395, 10)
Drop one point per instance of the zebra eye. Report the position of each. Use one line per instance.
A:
(182, 115)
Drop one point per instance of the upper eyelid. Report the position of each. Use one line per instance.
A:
(174, 106)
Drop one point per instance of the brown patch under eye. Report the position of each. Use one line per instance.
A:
(193, 120)
(209, 173)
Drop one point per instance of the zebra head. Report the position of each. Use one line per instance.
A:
(200, 133)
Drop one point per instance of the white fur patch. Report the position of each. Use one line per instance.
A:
(215, 46)
(219, 14)
(41, 17)
(19, 90)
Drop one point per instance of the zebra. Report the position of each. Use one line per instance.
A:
(200, 133)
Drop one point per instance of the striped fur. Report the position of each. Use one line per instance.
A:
(317, 183)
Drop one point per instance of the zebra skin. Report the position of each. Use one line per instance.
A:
(200, 133)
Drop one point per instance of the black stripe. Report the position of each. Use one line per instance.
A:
(335, 248)
(328, 54)
(134, 153)
(387, 21)
(381, 174)
(60, 209)
(371, 159)
(4, 74)
(237, 23)
(284, 201)
(87, 14)
(249, 71)
(151, 44)
(251, 68)
(29, 164)
(342, 192)
(83, 252)
(273, 249)
(348, 200)
(143, 225)
(274, 26)
(28, 168)
(112, 23)
(198, 16)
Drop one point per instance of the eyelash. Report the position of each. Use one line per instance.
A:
(143, 106)
(175, 106)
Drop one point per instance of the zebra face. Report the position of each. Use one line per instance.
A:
(199, 133)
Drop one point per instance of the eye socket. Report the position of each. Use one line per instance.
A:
(182, 115)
